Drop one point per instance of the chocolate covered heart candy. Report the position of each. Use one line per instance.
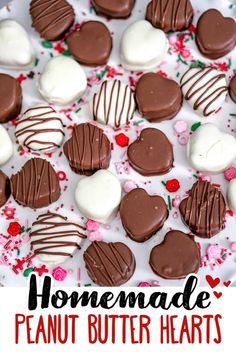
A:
(203, 211)
(215, 34)
(170, 15)
(205, 89)
(88, 150)
(5, 189)
(91, 45)
(176, 257)
(152, 153)
(109, 264)
(114, 8)
(10, 98)
(158, 98)
(142, 215)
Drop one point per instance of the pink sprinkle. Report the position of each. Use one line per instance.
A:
(129, 186)
(180, 126)
(176, 201)
(92, 225)
(144, 284)
(182, 139)
(95, 236)
(172, 39)
(213, 251)
(230, 173)
(206, 178)
(233, 247)
(59, 273)
(155, 283)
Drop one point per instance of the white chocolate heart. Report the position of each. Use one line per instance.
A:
(210, 149)
(205, 89)
(6, 146)
(98, 196)
(62, 81)
(143, 46)
(16, 48)
(231, 195)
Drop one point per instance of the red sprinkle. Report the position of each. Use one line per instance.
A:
(172, 185)
(122, 140)
(14, 229)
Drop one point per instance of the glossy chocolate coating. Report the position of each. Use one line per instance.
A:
(170, 15)
(142, 215)
(152, 153)
(91, 45)
(36, 185)
(5, 189)
(88, 150)
(113, 8)
(176, 257)
(232, 88)
(109, 264)
(203, 211)
(51, 18)
(215, 34)
(10, 98)
(158, 98)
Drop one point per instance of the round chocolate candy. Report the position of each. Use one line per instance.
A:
(51, 18)
(36, 185)
(88, 150)
(109, 264)
(10, 98)
(176, 257)
(91, 45)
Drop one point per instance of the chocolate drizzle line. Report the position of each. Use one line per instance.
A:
(162, 10)
(49, 234)
(33, 128)
(197, 86)
(118, 99)
(117, 261)
(45, 15)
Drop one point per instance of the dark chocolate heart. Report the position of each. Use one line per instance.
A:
(158, 98)
(170, 15)
(215, 34)
(203, 211)
(91, 45)
(113, 8)
(176, 257)
(88, 150)
(152, 153)
(109, 264)
(142, 215)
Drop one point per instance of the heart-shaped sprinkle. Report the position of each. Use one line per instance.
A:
(114, 8)
(205, 89)
(176, 257)
(114, 104)
(6, 146)
(210, 149)
(152, 153)
(142, 215)
(204, 210)
(16, 49)
(170, 15)
(158, 98)
(109, 264)
(88, 150)
(227, 283)
(91, 45)
(145, 53)
(215, 34)
(213, 282)
(98, 196)
(217, 294)
(55, 239)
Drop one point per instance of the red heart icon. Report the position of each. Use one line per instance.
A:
(227, 283)
(211, 281)
(217, 295)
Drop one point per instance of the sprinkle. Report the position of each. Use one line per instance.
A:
(92, 225)
(143, 284)
(95, 236)
(195, 126)
(122, 140)
(233, 247)
(164, 184)
(87, 284)
(180, 126)
(139, 122)
(195, 176)
(182, 139)
(172, 185)
(206, 178)
(77, 110)
(59, 273)
(169, 202)
(27, 272)
(213, 251)
(129, 185)
(176, 201)
(230, 173)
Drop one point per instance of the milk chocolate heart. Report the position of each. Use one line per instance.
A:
(91, 45)
(176, 257)
(109, 264)
(152, 153)
(142, 215)
(114, 8)
(215, 34)
(158, 98)
(204, 210)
